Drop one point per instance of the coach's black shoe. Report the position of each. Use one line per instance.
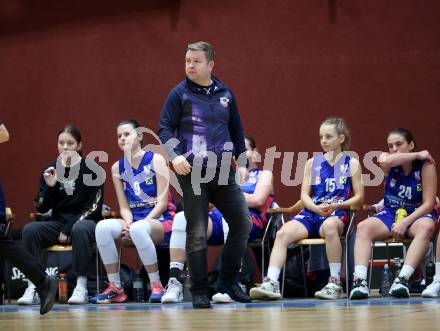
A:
(234, 291)
(47, 291)
(201, 300)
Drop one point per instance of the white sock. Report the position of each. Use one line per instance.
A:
(273, 273)
(360, 271)
(115, 278)
(177, 265)
(437, 271)
(406, 271)
(81, 282)
(154, 276)
(335, 270)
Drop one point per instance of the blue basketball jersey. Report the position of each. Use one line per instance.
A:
(330, 184)
(249, 187)
(402, 191)
(140, 186)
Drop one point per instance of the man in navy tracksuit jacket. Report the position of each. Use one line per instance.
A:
(202, 114)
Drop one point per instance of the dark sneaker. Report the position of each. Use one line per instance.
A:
(47, 292)
(201, 300)
(399, 289)
(360, 289)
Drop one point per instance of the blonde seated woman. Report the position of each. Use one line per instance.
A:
(325, 193)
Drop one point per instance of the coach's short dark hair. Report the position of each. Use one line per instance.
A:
(202, 46)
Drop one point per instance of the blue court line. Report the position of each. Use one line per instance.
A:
(259, 304)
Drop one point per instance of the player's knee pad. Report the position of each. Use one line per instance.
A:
(106, 231)
(140, 233)
(179, 222)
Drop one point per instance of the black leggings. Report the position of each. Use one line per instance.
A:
(39, 235)
(230, 201)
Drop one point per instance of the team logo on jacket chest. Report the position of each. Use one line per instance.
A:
(68, 185)
(224, 102)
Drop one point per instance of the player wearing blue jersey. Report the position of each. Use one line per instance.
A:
(141, 182)
(258, 192)
(328, 179)
(410, 189)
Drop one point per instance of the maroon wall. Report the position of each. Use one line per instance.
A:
(290, 63)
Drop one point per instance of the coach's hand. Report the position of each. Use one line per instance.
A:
(181, 165)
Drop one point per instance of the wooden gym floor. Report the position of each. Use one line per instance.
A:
(373, 314)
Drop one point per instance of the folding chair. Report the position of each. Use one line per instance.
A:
(276, 220)
(295, 209)
(394, 242)
(59, 248)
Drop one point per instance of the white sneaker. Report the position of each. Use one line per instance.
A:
(79, 296)
(399, 289)
(432, 291)
(268, 290)
(173, 292)
(359, 290)
(331, 291)
(30, 297)
(222, 298)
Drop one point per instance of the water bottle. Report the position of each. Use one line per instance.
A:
(429, 272)
(385, 281)
(138, 287)
(62, 288)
